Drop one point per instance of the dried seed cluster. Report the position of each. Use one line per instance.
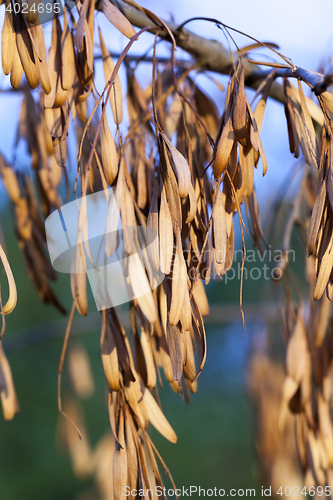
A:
(168, 174)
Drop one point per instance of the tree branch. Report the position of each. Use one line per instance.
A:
(213, 56)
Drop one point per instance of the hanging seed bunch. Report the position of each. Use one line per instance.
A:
(276, 448)
(307, 390)
(177, 168)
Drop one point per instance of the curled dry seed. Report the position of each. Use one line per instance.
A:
(224, 148)
(12, 299)
(177, 349)
(152, 229)
(201, 297)
(141, 287)
(239, 114)
(8, 43)
(178, 285)
(26, 54)
(119, 471)
(326, 262)
(118, 19)
(149, 358)
(17, 69)
(316, 218)
(220, 229)
(9, 401)
(157, 418)
(78, 279)
(186, 315)
(40, 58)
(109, 355)
(116, 96)
(181, 167)
(67, 56)
(165, 235)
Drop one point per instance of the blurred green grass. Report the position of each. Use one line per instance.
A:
(215, 432)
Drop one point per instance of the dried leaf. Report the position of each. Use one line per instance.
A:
(8, 43)
(157, 418)
(181, 167)
(224, 148)
(178, 285)
(110, 158)
(12, 299)
(118, 19)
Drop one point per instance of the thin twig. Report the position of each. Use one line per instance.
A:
(60, 368)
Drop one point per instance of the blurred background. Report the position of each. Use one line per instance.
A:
(219, 432)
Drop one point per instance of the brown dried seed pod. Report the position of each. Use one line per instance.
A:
(40, 58)
(181, 168)
(177, 349)
(25, 50)
(32, 14)
(224, 148)
(152, 229)
(220, 229)
(178, 285)
(8, 43)
(118, 19)
(186, 315)
(165, 235)
(17, 68)
(157, 418)
(79, 279)
(239, 113)
(316, 219)
(110, 157)
(67, 56)
(120, 470)
(116, 97)
(149, 358)
(109, 355)
(141, 288)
